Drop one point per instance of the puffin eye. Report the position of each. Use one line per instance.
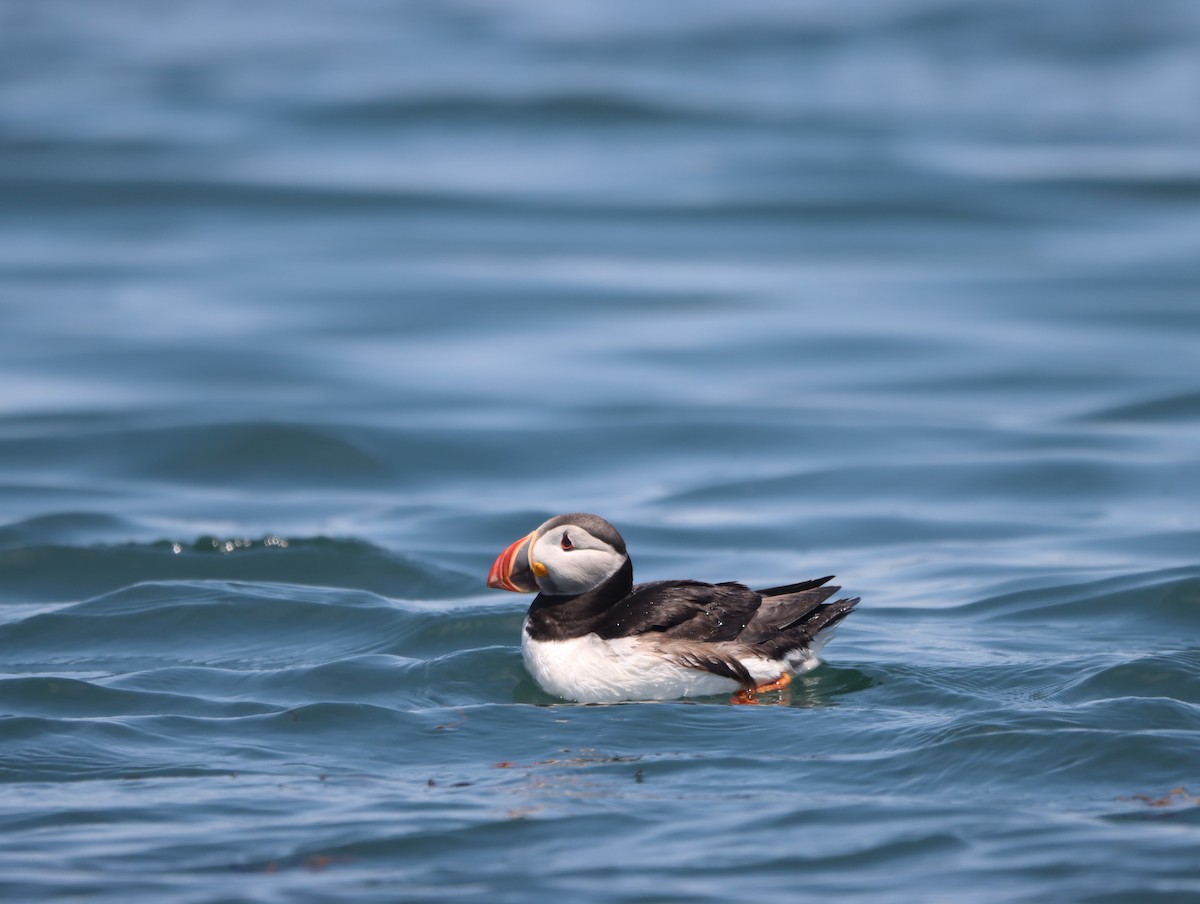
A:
(566, 541)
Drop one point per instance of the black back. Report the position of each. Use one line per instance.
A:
(778, 619)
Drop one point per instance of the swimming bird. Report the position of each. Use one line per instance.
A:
(593, 636)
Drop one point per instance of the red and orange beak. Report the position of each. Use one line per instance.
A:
(512, 569)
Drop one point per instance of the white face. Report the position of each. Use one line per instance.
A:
(574, 560)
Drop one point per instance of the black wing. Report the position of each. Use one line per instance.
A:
(683, 610)
(792, 616)
(691, 614)
(785, 609)
(693, 610)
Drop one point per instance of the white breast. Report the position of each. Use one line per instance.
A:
(591, 670)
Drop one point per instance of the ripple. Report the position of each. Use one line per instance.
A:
(64, 571)
(1174, 676)
(1144, 604)
(1176, 408)
(215, 624)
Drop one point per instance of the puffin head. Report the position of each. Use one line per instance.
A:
(566, 556)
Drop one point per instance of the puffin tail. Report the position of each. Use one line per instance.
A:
(810, 632)
(828, 615)
(787, 589)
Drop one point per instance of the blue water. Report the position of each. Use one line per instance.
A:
(307, 310)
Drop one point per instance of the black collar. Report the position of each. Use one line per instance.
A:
(564, 617)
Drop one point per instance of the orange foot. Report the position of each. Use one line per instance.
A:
(750, 694)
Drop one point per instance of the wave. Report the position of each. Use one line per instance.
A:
(1174, 408)
(1136, 605)
(64, 572)
(217, 621)
(548, 110)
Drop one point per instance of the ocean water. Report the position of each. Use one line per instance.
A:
(307, 310)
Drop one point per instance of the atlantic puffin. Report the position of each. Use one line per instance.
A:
(593, 636)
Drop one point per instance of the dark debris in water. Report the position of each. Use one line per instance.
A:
(433, 783)
(313, 863)
(450, 726)
(584, 758)
(1174, 797)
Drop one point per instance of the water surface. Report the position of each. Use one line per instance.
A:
(308, 311)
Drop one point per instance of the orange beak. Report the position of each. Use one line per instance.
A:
(512, 570)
